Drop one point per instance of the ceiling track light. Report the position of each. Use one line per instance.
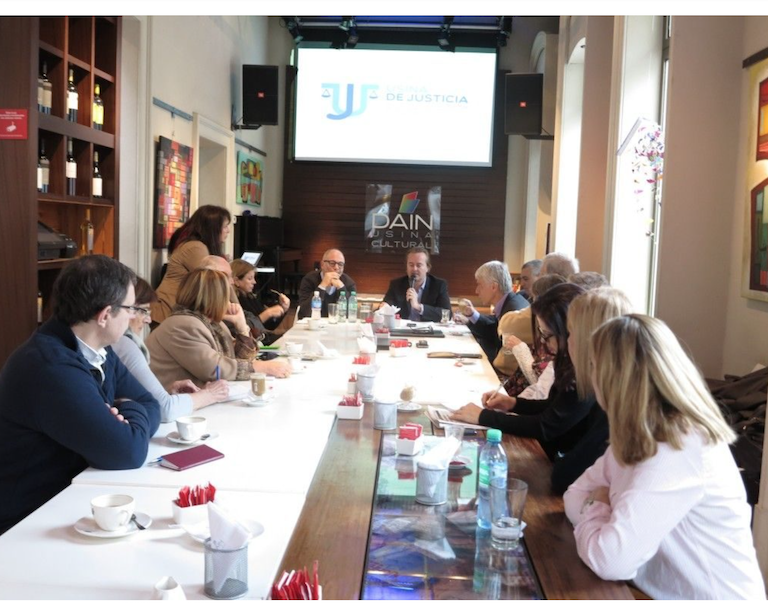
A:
(293, 28)
(444, 37)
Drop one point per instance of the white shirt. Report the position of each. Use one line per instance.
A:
(539, 390)
(96, 358)
(678, 524)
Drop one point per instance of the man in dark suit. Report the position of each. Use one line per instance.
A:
(329, 282)
(419, 295)
(494, 286)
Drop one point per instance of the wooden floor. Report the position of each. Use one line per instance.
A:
(334, 525)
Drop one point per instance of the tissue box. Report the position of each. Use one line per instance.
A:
(350, 411)
(189, 515)
(409, 447)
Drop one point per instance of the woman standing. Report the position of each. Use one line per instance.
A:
(202, 235)
(182, 396)
(665, 505)
(194, 344)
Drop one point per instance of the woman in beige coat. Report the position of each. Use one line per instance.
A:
(194, 344)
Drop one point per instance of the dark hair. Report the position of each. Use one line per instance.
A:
(204, 225)
(89, 284)
(144, 292)
(552, 308)
(420, 249)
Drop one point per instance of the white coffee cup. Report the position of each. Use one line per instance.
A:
(314, 324)
(191, 427)
(296, 365)
(112, 512)
(294, 348)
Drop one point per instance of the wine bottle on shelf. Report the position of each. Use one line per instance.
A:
(40, 105)
(72, 97)
(86, 234)
(47, 90)
(98, 109)
(97, 188)
(39, 307)
(71, 170)
(43, 169)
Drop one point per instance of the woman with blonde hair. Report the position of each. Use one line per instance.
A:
(194, 344)
(665, 505)
(257, 314)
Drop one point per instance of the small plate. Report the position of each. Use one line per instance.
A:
(409, 407)
(175, 437)
(200, 531)
(259, 401)
(87, 526)
(459, 463)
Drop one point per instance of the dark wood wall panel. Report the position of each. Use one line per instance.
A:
(324, 206)
(18, 160)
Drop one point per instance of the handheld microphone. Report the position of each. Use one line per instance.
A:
(412, 281)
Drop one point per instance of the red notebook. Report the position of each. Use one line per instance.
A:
(189, 458)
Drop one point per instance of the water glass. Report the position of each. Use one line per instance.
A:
(507, 504)
(333, 313)
(456, 431)
(365, 311)
(445, 316)
(506, 344)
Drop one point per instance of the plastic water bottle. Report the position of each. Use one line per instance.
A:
(317, 305)
(493, 470)
(353, 306)
(342, 307)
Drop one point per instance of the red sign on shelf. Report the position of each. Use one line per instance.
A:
(13, 124)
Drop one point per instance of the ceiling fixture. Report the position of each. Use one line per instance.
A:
(444, 37)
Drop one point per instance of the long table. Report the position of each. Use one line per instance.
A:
(307, 478)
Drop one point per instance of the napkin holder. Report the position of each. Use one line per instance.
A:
(350, 411)
(410, 447)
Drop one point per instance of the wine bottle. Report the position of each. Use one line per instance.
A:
(39, 307)
(97, 182)
(47, 90)
(86, 234)
(72, 97)
(40, 93)
(71, 170)
(98, 109)
(43, 169)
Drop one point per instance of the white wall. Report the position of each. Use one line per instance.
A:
(700, 198)
(746, 319)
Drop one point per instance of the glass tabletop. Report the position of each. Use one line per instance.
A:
(422, 552)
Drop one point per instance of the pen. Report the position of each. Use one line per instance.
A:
(154, 461)
(501, 385)
(218, 373)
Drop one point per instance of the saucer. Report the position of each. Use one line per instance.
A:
(175, 437)
(87, 526)
(409, 407)
(200, 531)
(259, 401)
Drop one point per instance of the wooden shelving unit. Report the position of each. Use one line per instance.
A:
(90, 46)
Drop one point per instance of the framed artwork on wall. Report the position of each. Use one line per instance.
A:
(250, 179)
(172, 189)
(755, 254)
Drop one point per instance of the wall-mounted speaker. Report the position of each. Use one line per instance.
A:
(260, 95)
(523, 103)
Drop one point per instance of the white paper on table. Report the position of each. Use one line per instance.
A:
(226, 534)
(325, 352)
(238, 390)
(365, 345)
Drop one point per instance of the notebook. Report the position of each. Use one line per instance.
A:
(189, 458)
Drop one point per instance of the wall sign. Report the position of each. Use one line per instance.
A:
(392, 228)
(13, 124)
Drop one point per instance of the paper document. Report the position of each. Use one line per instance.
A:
(442, 418)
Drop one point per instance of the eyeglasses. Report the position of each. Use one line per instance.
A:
(545, 337)
(145, 312)
(334, 264)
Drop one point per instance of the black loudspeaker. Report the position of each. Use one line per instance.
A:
(260, 95)
(523, 103)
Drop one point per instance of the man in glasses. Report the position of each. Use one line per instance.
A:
(329, 282)
(66, 400)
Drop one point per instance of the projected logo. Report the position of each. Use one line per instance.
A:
(409, 203)
(333, 91)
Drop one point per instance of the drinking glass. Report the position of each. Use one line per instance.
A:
(508, 342)
(445, 316)
(333, 313)
(507, 503)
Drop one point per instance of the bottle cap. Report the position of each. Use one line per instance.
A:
(317, 292)
(493, 436)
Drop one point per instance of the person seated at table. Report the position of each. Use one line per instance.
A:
(560, 421)
(589, 279)
(193, 343)
(665, 505)
(66, 400)
(183, 396)
(559, 263)
(266, 318)
(205, 233)
(419, 295)
(329, 282)
(522, 356)
(529, 273)
(494, 286)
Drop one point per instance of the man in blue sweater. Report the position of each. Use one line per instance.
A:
(66, 400)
